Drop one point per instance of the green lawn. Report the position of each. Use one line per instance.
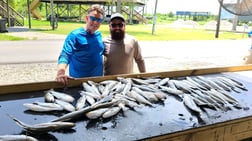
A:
(140, 31)
(4, 37)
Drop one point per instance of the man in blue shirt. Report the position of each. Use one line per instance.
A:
(83, 49)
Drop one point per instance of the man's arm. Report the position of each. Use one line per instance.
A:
(141, 66)
(61, 69)
(61, 76)
(139, 58)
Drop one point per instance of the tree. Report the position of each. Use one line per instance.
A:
(20, 6)
(170, 15)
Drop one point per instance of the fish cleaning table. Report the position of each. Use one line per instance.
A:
(167, 120)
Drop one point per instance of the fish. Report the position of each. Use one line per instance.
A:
(221, 84)
(206, 97)
(196, 83)
(43, 127)
(94, 95)
(126, 101)
(112, 84)
(94, 86)
(223, 104)
(61, 96)
(90, 99)
(182, 86)
(67, 106)
(123, 80)
(104, 99)
(148, 95)
(225, 96)
(150, 88)
(163, 81)
(111, 112)
(211, 83)
(105, 91)
(171, 90)
(202, 102)
(233, 100)
(214, 96)
(81, 102)
(171, 84)
(96, 113)
(91, 89)
(122, 106)
(107, 82)
(190, 84)
(47, 104)
(127, 88)
(17, 138)
(233, 83)
(139, 98)
(188, 101)
(118, 87)
(76, 114)
(117, 95)
(101, 88)
(201, 82)
(43, 107)
(152, 80)
(139, 81)
(49, 97)
(160, 95)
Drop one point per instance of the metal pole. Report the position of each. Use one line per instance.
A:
(218, 21)
(131, 12)
(79, 11)
(118, 7)
(52, 15)
(111, 10)
(8, 13)
(235, 20)
(154, 18)
(29, 15)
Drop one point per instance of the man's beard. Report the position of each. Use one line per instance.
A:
(117, 34)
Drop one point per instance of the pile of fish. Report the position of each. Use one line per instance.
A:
(107, 98)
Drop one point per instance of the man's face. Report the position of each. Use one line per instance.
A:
(117, 29)
(93, 21)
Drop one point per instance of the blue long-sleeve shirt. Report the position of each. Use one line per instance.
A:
(249, 34)
(83, 52)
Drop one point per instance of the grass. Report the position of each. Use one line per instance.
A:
(162, 32)
(4, 37)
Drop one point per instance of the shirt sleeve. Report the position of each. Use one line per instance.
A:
(250, 34)
(67, 50)
(139, 58)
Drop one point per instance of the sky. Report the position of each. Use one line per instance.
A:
(166, 6)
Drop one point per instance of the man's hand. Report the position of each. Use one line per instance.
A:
(62, 78)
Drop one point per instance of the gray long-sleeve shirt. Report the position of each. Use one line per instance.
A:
(120, 56)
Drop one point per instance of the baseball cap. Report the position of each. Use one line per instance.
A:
(117, 15)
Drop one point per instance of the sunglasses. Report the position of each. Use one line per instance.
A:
(92, 18)
(114, 25)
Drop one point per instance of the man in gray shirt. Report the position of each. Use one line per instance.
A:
(121, 49)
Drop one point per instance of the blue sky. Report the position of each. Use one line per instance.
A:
(166, 6)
